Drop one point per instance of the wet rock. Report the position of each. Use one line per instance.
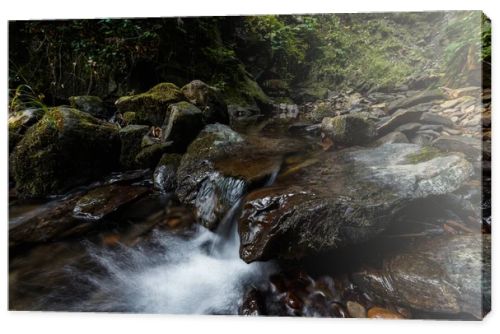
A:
(423, 97)
(221, 164)
(399, 118)
(209, 100)
(184, 124)
(348, 129)
(430, 118)
(149, 156)
(356, 310)
(65, 148)
(53, 221)
(131, 137)
(445, 274)
(392, 138)
(468, 145)
(382, 313)
(164, 176)
(19, 122)
(90, 104)
(345, 198)
(151, 107)
(253, 303)
(100, 202)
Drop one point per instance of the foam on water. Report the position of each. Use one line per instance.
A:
(178, 275)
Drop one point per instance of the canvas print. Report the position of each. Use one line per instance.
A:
(319, 165)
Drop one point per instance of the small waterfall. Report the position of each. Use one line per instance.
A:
(198, 273)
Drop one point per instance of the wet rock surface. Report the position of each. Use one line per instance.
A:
(345, 198)
(440, 274)
(100, 202)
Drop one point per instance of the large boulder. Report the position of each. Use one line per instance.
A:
(184, 124)
(151, 107)
(209, 100)
(443, 275)
(345, 198)
(221, 165)
(348, 129)
(65, 148)
(131, 138)
(90, 104)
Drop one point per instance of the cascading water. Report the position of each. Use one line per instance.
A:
(177, 275)
(201, 273)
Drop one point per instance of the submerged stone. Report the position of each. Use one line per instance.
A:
(345, 198)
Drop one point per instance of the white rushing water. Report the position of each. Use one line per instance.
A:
(178, 275)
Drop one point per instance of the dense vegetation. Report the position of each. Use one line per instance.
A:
(296, 56)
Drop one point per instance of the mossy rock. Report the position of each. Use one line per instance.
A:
(151, 107)
(129, 117)
(184, 124)
(131, 138)
(149, 156)
(66, 148)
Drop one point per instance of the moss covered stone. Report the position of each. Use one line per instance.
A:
(149, 156)
(131, 137)
(65, 148)
(129, 117)
(151, 107)
(184, 124)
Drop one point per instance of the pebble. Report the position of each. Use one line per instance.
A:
(382, 313)
(356, 310)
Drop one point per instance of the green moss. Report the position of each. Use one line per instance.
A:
(149, 156)
(151, 107)
(65, 148)
(244, 90)
(425, 154)
(129, 117)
